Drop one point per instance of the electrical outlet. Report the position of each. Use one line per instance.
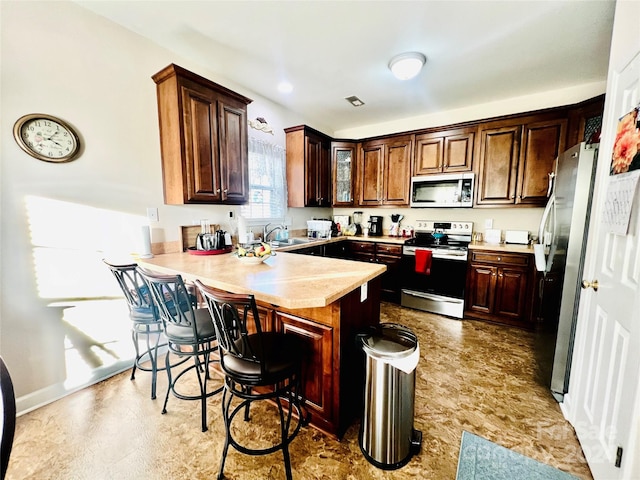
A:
(231, 214)
(488, 223)
(152, 214)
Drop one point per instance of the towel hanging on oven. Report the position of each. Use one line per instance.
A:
(423, 261)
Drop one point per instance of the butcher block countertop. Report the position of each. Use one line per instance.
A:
(501, 247)
(285, 279)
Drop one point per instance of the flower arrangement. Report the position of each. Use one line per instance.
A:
(626, 149)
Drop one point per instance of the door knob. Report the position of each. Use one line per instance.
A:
(593, 284)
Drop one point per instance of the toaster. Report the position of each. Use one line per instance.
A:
(517, 236)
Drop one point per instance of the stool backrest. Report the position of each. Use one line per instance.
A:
(236, 319)
(8, 417)
(134, 288)
(172, 299)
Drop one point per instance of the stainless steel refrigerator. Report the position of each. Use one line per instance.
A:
(562, 240)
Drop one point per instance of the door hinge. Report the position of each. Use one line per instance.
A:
(619, 457)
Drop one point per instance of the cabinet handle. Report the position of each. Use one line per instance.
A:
(512, 197)
(519, 197)
(499, 259)
(500, 275)
(225, 190)
(218, 191)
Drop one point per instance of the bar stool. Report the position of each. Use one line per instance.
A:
(146, 323)
(190, 334)
(7, 395)
(257, 366)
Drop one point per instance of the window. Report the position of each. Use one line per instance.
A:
(267, 182)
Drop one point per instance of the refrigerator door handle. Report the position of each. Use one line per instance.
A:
(545, 217)
(551, 176)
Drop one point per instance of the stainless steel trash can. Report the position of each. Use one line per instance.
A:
(387, 437)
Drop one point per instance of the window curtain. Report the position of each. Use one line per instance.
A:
(267, 181)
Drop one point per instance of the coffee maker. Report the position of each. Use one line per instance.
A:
(375, 225)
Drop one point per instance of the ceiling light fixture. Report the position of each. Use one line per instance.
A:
(407, 65)
(285, 87)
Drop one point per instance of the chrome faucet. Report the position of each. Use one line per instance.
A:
(266, 232)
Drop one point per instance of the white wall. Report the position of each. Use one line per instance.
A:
(60, 59)
(503, 218)
(556, 98)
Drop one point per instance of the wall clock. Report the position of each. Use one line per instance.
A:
(46, 138)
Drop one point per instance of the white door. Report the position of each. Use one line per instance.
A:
(603, 396)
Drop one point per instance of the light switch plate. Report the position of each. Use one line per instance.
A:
(152, 214)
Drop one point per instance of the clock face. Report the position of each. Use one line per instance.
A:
(46, 138)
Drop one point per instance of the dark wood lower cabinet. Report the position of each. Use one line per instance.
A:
(316, 376)
(389, 254)
(500, 288)
(333, 372)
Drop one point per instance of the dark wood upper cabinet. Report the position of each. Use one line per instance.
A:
(444, 152)
(343, 169)
(585, 120)
(308, 167)
(384, 171)
(542, 143)
(498, 165)
(515, 160)
(203, 138)
(512, 156)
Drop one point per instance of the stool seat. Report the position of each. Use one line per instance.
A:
(281, 354)
(183, 334)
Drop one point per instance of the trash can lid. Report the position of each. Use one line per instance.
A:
(390, 341)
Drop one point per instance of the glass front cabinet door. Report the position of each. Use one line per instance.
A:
(343, 156)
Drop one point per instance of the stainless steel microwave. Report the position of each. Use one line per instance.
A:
(446, 190)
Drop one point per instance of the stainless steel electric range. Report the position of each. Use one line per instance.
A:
(434, 280)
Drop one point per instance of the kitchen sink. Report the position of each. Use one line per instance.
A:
(290, 241)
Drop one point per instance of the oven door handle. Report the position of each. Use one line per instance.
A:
(460, 257)
(431, 297)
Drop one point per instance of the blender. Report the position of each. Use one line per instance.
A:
(357, 220)
(394, 230)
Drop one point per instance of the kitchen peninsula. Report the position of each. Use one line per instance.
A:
(324, 301)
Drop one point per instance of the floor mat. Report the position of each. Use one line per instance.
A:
(481, 459)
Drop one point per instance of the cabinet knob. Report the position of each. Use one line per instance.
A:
(501, 275)
(593, 284)
(218, 191)
(225, 190)
(499, 259)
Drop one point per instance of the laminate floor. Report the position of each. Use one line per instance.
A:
(489, 380)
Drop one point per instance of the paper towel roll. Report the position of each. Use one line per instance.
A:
(242, 230)
(145, 251)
